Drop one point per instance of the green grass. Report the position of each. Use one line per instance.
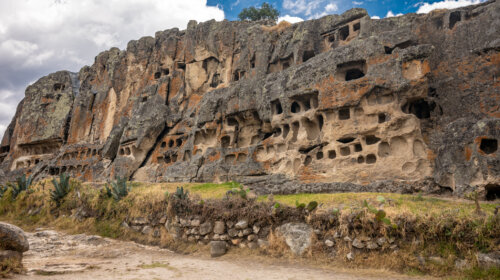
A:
(394, 202)
(492, 273)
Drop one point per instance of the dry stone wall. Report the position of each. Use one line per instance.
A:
(341, 103)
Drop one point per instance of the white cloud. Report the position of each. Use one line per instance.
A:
(391, 14)
(2, 130)
(38, 37)
(290, 19)
(357, 3)
(375, 17)
(332, 7)
(446, 4)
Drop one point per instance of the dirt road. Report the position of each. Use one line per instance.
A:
(55, 255)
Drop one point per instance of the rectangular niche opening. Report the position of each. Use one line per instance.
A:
(351, 70)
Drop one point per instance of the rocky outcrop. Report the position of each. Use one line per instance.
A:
(341, 103)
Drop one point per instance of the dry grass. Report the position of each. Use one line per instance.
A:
(279, 28)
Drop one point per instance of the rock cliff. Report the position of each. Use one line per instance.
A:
(341, 103)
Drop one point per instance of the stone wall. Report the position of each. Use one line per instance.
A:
(344, 102)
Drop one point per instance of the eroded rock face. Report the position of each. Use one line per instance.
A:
(341, 103)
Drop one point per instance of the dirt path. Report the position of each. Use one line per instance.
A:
(54, 255)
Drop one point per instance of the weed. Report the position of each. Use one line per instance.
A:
(475, 196)
(119, 188)
(3, 189)
(311, 206)
(380, 215)
(181, 194)
(61, 188)
(22, 184)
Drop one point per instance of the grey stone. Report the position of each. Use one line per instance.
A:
(251, 237)
(13, 238)
(243, 224)
(195, 223)
(147, 230)
(139, 221)
(256, 229)
(298, 236)
(206, 228)
(247, 231)
(347, 239)
(263, 243)
(381, 241)
(230, 224)
(488, 260)
(329, 243)
(253, 245)
(371, 245)
(350, 256)
(358, 244)
(219, 227)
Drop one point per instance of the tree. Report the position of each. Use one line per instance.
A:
(266, 11)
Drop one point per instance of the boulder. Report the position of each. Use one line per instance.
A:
(219, 227)
(13, 238)
(358, 244)
(298, 236)
(217, 248)
(205, 228)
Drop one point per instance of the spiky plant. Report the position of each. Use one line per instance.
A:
(22, 184)
(119, 188)
(181, 194)
(61, 188)
(3, 189)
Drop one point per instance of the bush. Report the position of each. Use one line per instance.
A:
(119, 188)
(61, 188)
(266, 11)
(22, 184)
(3, 189)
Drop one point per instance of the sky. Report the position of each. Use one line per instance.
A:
(38, 37)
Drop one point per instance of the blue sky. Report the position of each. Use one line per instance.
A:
(316, 8)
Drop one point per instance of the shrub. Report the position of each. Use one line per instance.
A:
(61, 188)
(22, 184)
(180, 193)
(380, 215)
(3, 189)
(119, 188)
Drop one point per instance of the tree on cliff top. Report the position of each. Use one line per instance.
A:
(266, 11)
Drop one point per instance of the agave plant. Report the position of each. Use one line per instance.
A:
(61, 188)
(3, 189)
(119, 188)
(181, 194)
(22, 184)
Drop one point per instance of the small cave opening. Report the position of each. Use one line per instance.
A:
(307, 160)
(361, 159)
(382, 118)
(356, 26)
(331, 38)
(371, 139)
(215, 80)
(420, 108)
(346, 140)
(345, 151)
(488, 145)
(344, 32)
(170, 143)
(277, 132)
(454, 18)
(295, 107)
(319, 155)
(181, 65)
(320, 122)
(358, 148)
(371, 159)
(157, 75)
(353, 74)
(232, 122)
(58, 87)
(286, 130)
(276, 106)
(236, 76)
(492, 191)
(178, 142)
(308, 55)
(165, 71)
(344, 114)
(225, 141)
(332, 154)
